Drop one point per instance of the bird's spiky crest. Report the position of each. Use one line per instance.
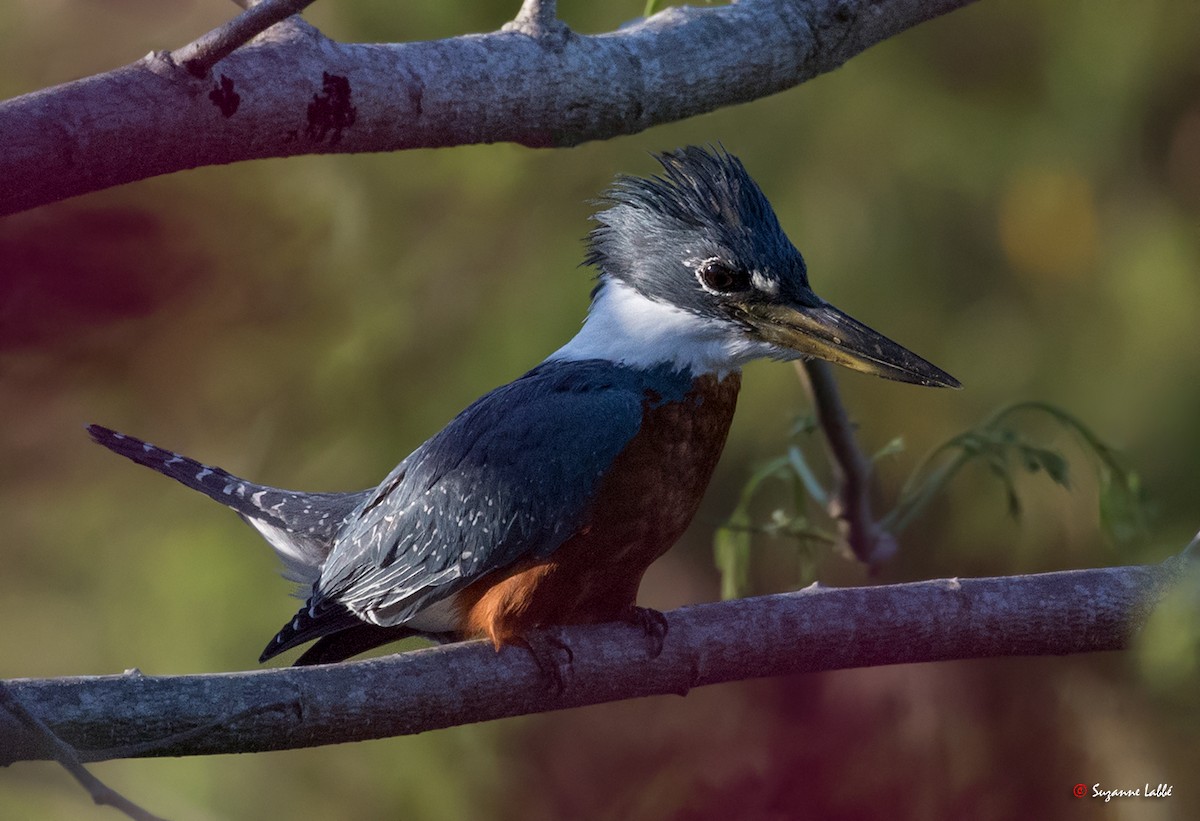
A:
(703, 188)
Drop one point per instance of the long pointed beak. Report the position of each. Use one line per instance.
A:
(827, 333)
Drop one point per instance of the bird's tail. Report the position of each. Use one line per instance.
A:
(339, 635)
(300, 527)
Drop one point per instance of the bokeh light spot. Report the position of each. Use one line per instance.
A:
(1048, 225)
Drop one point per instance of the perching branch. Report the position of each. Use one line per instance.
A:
(818, 628)
(201, 55)
(293, 91)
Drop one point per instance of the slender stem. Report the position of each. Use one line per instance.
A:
(200, 55)
(851, 505)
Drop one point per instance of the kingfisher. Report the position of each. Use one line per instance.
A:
(545, 501)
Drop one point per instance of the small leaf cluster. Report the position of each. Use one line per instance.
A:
(1001, 443)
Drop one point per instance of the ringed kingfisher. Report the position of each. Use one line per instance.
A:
(544, 502)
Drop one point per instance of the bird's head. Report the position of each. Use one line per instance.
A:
(702, 243)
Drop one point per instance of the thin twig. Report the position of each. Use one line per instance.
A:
(539, 19)
(65, 754)
(851, 505)
(1192, 551)
(202, 54)
(540, 12)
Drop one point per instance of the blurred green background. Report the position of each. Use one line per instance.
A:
(1013, 191)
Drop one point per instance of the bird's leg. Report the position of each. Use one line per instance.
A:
(552, 655)
(653, 623)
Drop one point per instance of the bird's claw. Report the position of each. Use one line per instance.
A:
(654, 624)
(552, 655)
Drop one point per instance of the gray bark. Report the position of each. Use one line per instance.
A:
(293, 91)
(818, 628)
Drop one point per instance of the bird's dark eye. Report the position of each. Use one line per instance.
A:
(722, 278)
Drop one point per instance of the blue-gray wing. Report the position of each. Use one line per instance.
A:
(510, 478)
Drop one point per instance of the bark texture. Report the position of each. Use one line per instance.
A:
(291, 90)
(818, 628)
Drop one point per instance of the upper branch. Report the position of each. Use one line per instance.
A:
(815, 629)
(293, 91)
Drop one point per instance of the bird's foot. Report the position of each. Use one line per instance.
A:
(552, 655)
(654, 624)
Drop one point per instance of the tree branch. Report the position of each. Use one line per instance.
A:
(850, 507)
(293, 91)
(55, 748)
(202, 54)
(814, 629)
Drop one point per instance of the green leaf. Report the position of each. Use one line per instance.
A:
(805, 423)
(1122, 511)
(731, 551)
(1122, 505)
(731, 542)
(999, 466)
(1051, 461)
(892, 448)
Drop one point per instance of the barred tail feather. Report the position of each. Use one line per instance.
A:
(213, 482)
(301, 527)
(312, 622)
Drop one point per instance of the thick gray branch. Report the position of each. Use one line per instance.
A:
(818, 628)
(293, 91)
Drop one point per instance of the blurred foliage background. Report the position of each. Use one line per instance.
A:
(1013, 191)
